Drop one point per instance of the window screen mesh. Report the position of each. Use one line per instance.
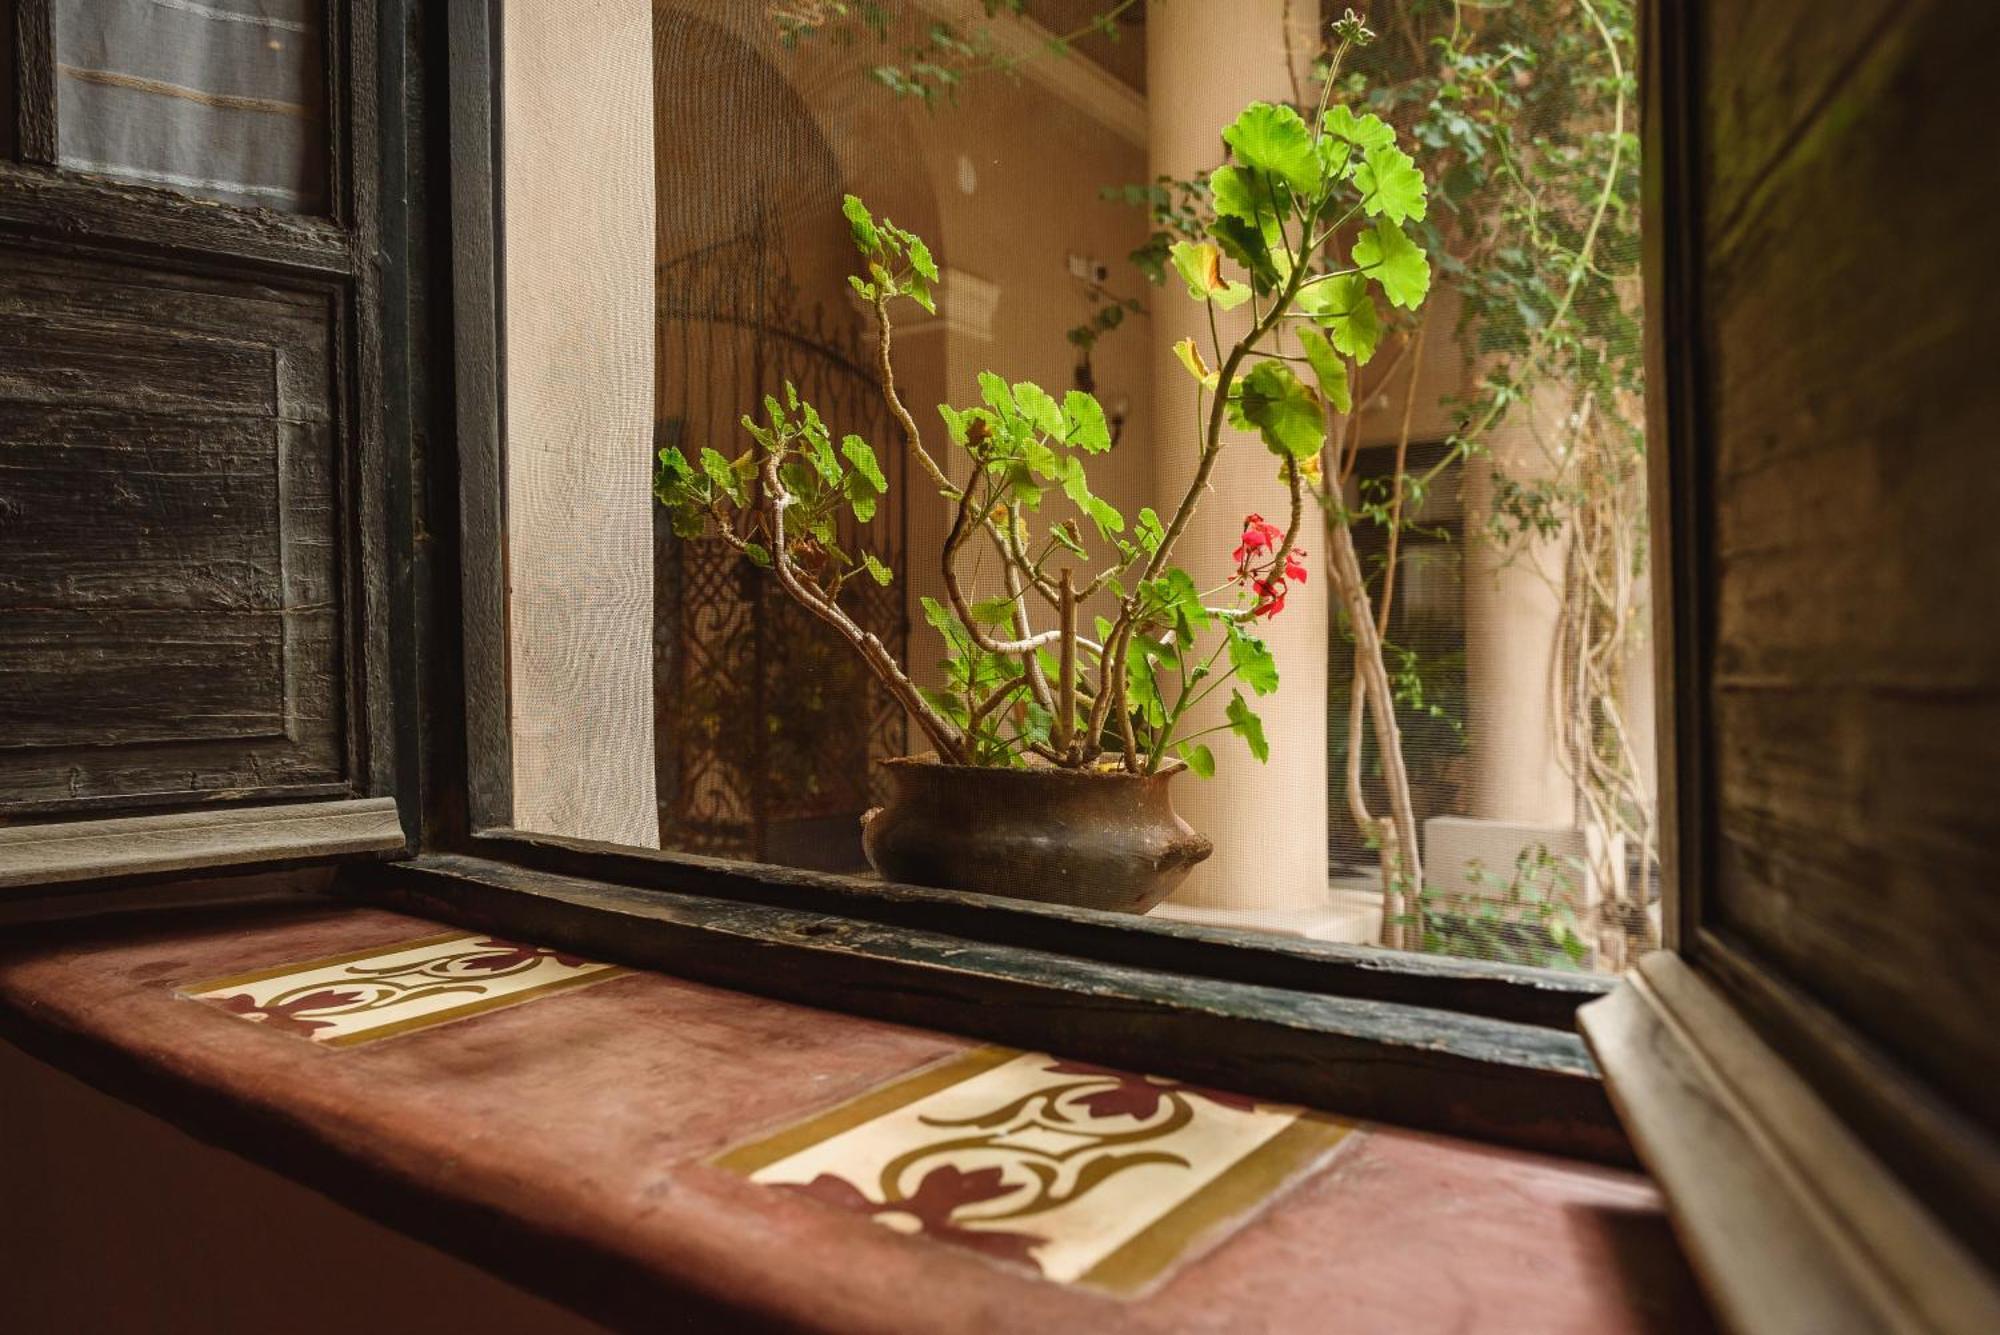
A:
(1516, 601)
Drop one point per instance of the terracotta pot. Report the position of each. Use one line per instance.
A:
(1099, 839)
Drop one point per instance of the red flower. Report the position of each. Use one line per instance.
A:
(938, 1197)
(1259, 537)
(288, 1015)
(1139, 1095)
(514, 954)
(1261, 541)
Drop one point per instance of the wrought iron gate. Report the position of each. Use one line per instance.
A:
(767, 722)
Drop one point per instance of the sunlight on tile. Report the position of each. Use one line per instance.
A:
(1077, 1172)
(366, 995)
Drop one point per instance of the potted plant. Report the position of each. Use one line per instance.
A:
(1053, 741)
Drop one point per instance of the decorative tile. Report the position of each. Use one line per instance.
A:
(1076, 1172)
(359, 997)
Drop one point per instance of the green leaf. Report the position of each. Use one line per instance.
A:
(1252, 659)
(862, 224)
(1065, 534)
(1201, 265)
(1329, 367)
(1199, 758)
(1076, 486)
(1275, 139)
(1084, 424)
(1039, 408)
(1178, 599)
(1243, 721)
(1260, 202)
(999, 395)
(1142, 691)
(1388, 256)
(1283, 410)
(860, 454)
(819, 452)
(944, 622)
(995, 611)
(759, 554)
(955, 422)
(1344, 307)
(1191, 358)
(921, 261)
(722, 474)
(1390, 185)
(1247, 245)
(1364, 131)
(881, 573)
(1230, 295)
(673, 469)
(1151, 532)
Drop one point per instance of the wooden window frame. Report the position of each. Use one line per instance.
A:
(333, 255)
(1816, 1185)
(1487, 1050)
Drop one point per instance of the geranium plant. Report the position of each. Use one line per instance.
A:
(1307, 230)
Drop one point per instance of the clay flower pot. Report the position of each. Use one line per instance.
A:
(1099, 839)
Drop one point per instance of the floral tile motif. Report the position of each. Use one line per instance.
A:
(1076, 1172)
(369, 994)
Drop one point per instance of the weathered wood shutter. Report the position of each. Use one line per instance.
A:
(192, 594)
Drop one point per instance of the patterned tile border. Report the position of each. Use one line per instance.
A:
(1075, 1172)
(365, 995)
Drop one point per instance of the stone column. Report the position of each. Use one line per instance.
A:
(1512, 608)
(1204, 62)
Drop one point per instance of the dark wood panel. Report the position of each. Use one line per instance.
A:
(1848, 334)
(115, 678)
(34, 80)
(1801, 55)
(171, 589)
(180, 508)
(42, 200)
(9, 111)
(74, 364)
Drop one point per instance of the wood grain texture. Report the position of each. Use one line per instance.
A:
(34, 80)
(1513, 1084)
(40, 200)
(1848, 323)
(577, 273)
(355, 147)
(171, 556)
(34, 856)
(477, 359)
(1791, 1223)
(1546, 997)
(9, 106)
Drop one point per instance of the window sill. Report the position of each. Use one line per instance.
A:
(561, 1143)
(1360, 1031)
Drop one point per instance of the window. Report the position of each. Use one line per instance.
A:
(704, 186)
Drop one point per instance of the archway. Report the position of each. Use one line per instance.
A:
(765, 722)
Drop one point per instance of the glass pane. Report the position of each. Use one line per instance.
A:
(1342, 319)
(221, 99)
